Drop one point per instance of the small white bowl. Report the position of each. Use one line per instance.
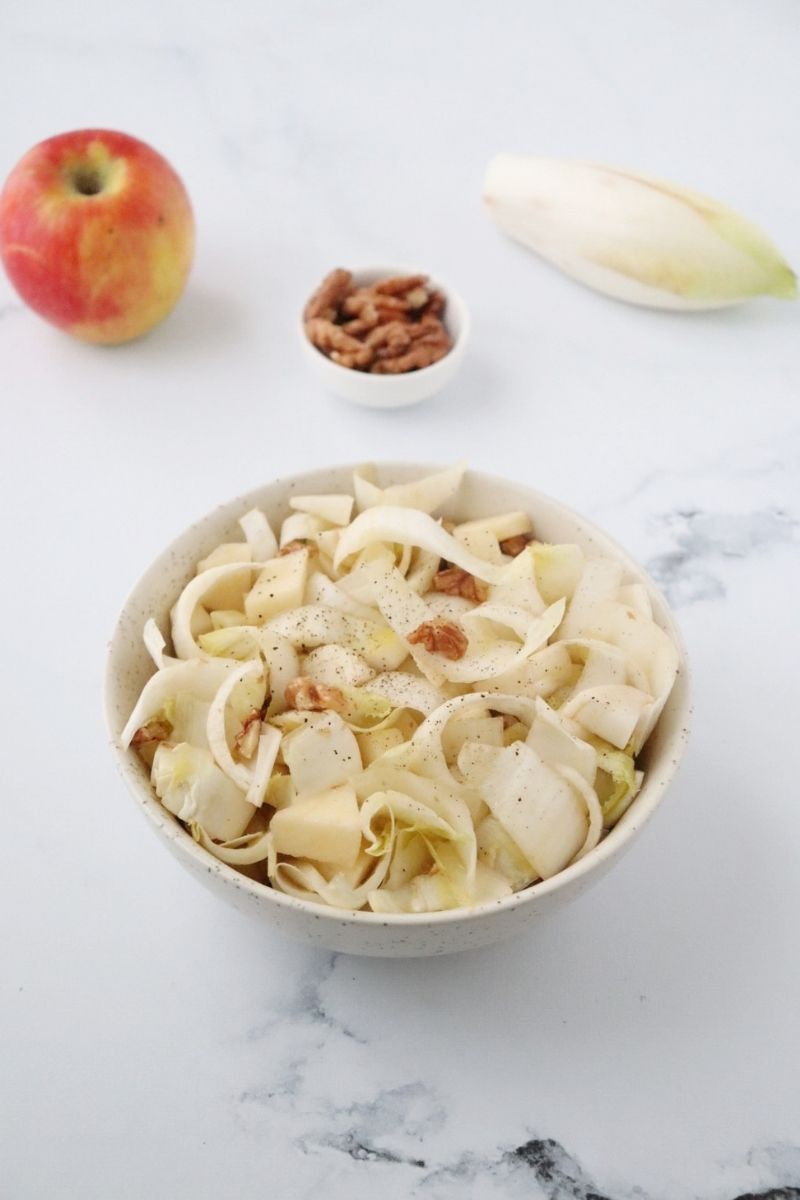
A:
(387, 935)
(394, 391)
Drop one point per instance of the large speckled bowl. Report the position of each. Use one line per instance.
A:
(129, 666)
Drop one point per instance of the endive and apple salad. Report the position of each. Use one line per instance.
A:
(382, 709)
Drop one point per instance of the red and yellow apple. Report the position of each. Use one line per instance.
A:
(97, 234)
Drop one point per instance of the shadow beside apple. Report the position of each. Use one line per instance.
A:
(202, 324)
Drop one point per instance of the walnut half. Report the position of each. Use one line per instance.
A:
(455, 582)
(305, 695)
(440, 636)
(153, 731)
(515, 545)
(246, 740)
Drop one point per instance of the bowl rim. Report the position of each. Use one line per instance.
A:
(612, 844)
(397, 381)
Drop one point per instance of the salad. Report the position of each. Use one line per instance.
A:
(382, 709)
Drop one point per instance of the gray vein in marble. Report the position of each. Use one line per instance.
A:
(412, 1109)
(391, 1131)
(305, 1005)
(701, 539)
(781, 1193)
(542, 1164)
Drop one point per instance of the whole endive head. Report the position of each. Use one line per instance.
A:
(633, 237)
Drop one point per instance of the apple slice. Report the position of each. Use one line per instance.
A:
(279, 587)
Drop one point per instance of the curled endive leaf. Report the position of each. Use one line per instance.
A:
(633, 237)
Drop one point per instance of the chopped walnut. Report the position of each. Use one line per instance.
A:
(329, 295)
(366, 320)
(153, 731)
(440, 636)
(352, 359)
(436, 304)
(359, 300)
(515, 545)
(398, 285)
(387, 328)
(305, 695)
(417, 357)
(393, 335)
(390, 304)
(424, 327)
(332, 338)
(455, 582)
(246, 740)
(295, 545)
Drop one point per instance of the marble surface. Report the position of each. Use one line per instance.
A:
(644, 1043)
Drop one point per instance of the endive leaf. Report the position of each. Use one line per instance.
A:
(634, 237)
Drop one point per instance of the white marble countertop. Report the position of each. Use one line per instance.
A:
(644, 1043)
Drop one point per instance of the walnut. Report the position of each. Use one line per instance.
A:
(390, 304)
(425, 326)
(387, 328)
(392, 334)
(398, 285)
(329, 295)
(354, 360)
(295, 545)
(515, 545)
(366, 320)
(418, 356)
(435, 304)
(390, 340)
(439, 635)
(455, 582)
(153, 731)
(246, 740)
(359, 300)
(327, 336)
(305, 695)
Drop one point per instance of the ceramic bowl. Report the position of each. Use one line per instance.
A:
(129, 666)
(394, 391)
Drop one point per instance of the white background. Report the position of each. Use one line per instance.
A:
(155, 1044)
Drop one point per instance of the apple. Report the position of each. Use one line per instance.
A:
(96, 234)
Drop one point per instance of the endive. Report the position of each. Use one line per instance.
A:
(633, 237)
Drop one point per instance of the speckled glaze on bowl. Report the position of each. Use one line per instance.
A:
(394, 391)
(388, 935)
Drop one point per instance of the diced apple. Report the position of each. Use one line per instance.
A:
(480, 541)
(378, 645)
(503, 526)
(375, 743)
(334, 508)
(228, 593)
(325, 827)
(280, 791)
(558, 569)
(280, 586)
